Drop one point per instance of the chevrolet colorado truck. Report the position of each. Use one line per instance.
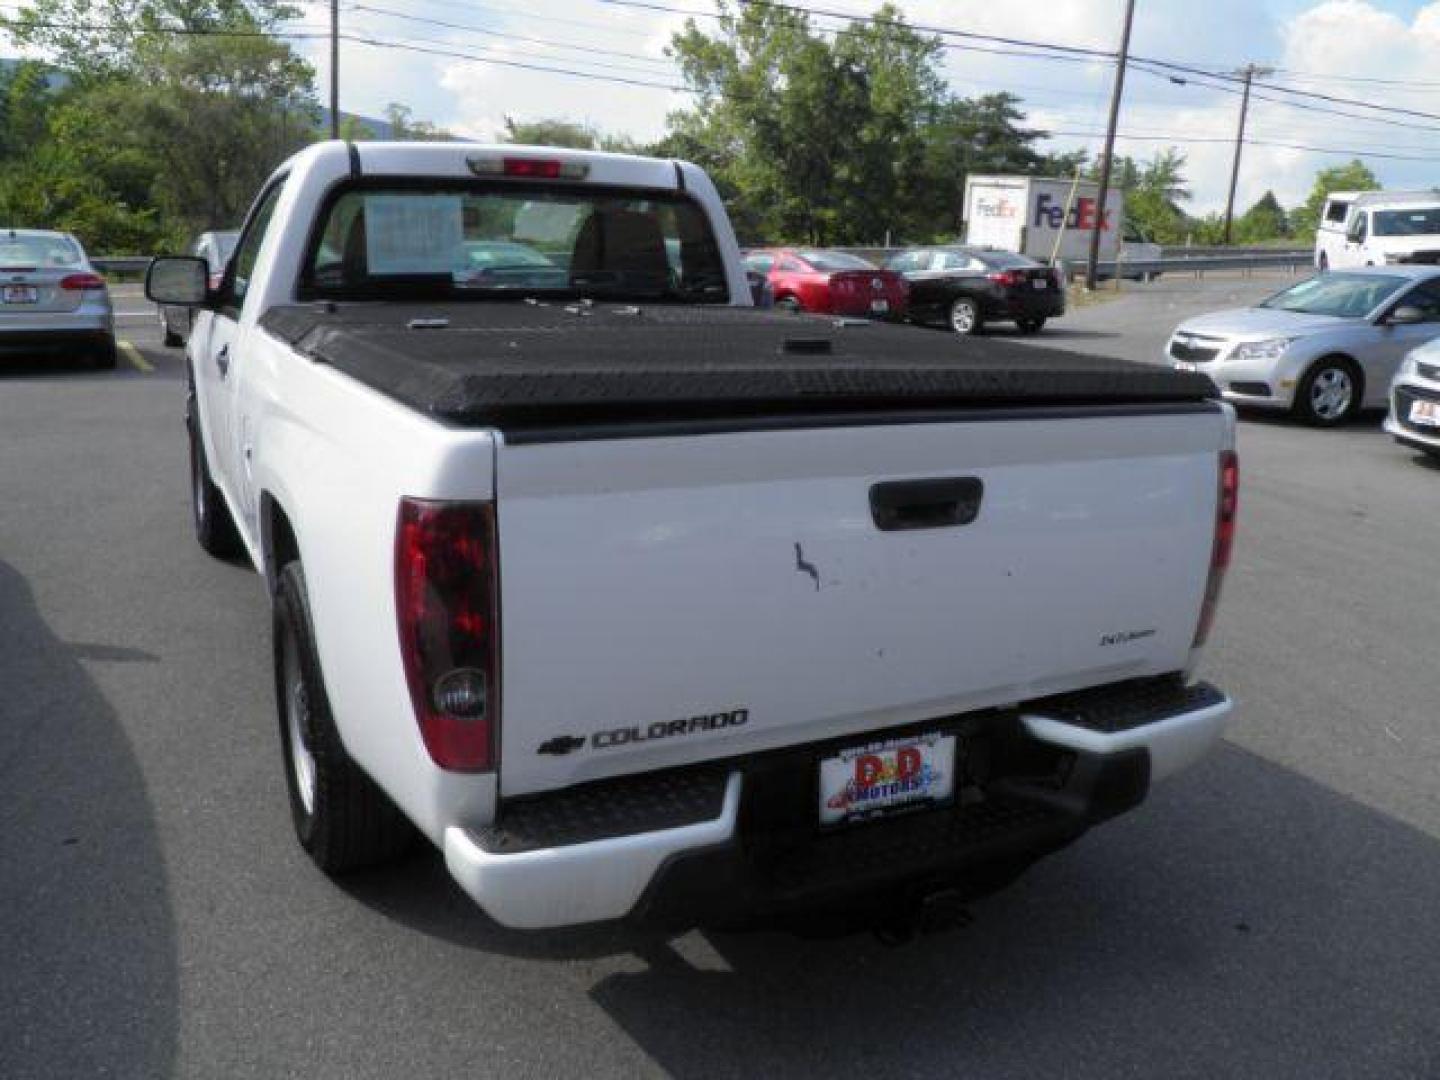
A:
(640, 602)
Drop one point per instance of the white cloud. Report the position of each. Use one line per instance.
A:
(1327, 39)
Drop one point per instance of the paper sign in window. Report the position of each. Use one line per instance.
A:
(413, 234)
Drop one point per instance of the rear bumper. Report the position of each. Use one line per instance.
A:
(1046, 773)
(1049, 304)
(72, 335)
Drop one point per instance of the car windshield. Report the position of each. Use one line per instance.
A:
(18, 250)
(477, 240)
(1421, 221)
(1348, 296)
(835, 260)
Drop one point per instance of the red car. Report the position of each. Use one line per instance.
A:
(831, 282)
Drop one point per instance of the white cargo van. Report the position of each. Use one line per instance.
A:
(1381, 227)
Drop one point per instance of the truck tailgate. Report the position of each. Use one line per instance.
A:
(675, 599)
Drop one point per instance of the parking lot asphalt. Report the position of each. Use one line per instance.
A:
(1268, 914)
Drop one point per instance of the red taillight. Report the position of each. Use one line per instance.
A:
(1006, 278)
(217, 278)
(77, 282)
(446, 584)
(1227, 502)
(544, 170)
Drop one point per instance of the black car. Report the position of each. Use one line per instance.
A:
(964, 288)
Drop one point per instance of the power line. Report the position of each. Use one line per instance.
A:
(486, 31)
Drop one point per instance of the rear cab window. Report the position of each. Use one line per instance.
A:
(1336, 210)
(499, 239)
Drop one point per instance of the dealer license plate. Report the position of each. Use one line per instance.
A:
(883, 777)
(21, 294)
(1425, 413)
(879, 307)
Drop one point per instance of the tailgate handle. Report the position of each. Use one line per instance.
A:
(925, 504)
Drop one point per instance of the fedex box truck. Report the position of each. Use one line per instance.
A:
(1032, 215)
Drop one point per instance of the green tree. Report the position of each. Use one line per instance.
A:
(154, 134)
(1354, 176)
(551, 131)
(404, 127)
(1266, 220)
(976, 135)
(1153, 190)
(809, 138)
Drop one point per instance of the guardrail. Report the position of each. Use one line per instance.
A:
(1195, 264)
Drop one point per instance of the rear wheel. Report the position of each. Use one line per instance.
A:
(1329, 394)
(342, 819)
(965, 316)
(214, 527)
(1030, 326)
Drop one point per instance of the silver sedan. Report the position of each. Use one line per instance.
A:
(1323, 349)
(52, 300)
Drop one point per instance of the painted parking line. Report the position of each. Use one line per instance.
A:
(131, 353)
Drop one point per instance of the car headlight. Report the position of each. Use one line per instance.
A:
(1270, 349)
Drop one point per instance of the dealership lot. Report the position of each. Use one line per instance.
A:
(1269, 914)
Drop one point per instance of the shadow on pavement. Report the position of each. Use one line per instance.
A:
(88, 979)
(1248, 922)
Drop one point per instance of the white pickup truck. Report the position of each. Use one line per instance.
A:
(640, 602)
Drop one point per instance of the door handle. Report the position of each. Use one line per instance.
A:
(925, 504)
(222, 359)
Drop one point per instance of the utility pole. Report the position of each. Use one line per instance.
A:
(334, 69)
(1092, 277)
(1249, 71)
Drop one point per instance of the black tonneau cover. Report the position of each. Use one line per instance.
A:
(521, 363)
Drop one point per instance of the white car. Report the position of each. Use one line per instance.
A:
(1324, 348)
(1414, 417)
(52, 302)
(637, 601)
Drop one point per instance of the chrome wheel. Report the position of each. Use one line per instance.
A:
(964, 317)
(1331, 393)
(297, 711)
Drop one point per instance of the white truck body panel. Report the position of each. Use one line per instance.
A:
(1029, 215)
(621, 624)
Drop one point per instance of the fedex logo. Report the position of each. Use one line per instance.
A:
(1051, 213)
(990, 207)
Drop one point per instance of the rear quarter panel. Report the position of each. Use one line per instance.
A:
(337, 458)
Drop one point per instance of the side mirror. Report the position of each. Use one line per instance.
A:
(182, 280)
(1406, 314)
(761, 294)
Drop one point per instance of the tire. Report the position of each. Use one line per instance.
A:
(103, 355)
(214, 527)
(1330, 393)
(1030, 326)
(964, 317)
(342, 819)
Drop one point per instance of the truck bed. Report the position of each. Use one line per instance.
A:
(518, 365)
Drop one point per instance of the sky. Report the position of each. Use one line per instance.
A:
(1328, 46)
